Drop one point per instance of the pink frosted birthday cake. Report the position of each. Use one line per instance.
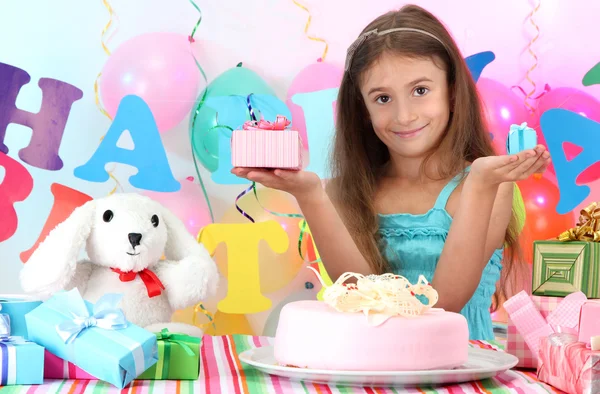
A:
(377, 324)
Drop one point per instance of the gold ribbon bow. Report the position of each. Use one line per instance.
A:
(588, 227)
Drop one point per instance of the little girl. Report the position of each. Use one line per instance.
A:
(416, 187)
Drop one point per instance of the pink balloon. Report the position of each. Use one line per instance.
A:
(571, 99)
(158, 67)
(502, 109)
(188, 204)
(315, 77)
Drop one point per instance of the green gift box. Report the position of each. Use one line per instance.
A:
(178, 358)
(561, 268)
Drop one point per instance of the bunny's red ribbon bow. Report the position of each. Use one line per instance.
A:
(153, 284)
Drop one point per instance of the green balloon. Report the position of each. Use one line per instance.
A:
(204, 127)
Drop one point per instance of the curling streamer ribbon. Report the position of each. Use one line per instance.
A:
(285, 215)
(110, 11)
(547, 88)
(96, 94)
(197, 110)
(199, 308)
(191, 36)
(532, 53)
(313, 38)
(253, 189)
(253, 186)
(102, 41)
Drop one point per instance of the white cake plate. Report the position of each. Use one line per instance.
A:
(481, 364)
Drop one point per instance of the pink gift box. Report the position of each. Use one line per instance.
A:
(569, 365)
(589, 321)
(57, 368)
(515, 343)
(264, 144)
(266, 149)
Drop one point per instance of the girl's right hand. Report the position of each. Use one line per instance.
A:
(493, 170)
(301, 184)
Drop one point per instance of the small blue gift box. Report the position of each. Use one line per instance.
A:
(21, 361)
(17, 306)
(96, 338)
(520, 138)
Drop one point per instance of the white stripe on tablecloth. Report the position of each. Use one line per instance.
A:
(224, 371)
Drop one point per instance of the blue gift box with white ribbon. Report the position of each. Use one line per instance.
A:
(520, 138)
(17, 306)
(21, 361)
(96, 338)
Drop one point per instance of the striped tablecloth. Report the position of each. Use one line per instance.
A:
(222, 372)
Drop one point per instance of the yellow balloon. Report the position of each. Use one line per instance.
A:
(276, 270)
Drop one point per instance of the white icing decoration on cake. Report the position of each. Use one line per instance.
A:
(379, 297)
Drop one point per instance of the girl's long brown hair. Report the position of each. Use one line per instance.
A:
(358, 154)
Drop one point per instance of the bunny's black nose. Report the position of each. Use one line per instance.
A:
(134, 239)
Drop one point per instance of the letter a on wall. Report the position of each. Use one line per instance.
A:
(148, 155)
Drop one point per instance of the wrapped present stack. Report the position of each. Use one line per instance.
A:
(21, 361)
(572, 261)
(556, 330)
(17, 306)
(70, 338)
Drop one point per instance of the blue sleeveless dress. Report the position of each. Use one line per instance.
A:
(412, 244)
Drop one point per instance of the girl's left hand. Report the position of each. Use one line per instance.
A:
(493, 170)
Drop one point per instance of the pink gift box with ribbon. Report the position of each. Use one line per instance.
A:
(57, 368)
(589, 322)
(534, 317)
(568, 364)
(263, 144)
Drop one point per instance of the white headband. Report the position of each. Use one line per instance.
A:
(366, 35)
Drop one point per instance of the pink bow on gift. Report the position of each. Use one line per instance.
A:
(531, 324)
(280, 123)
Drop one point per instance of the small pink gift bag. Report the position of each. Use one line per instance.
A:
(589, 322)
(534, 317)
(515, 342)
(263, 144)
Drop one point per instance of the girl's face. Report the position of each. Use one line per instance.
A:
(408, 100)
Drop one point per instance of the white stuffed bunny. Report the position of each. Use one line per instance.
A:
(125, 236)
